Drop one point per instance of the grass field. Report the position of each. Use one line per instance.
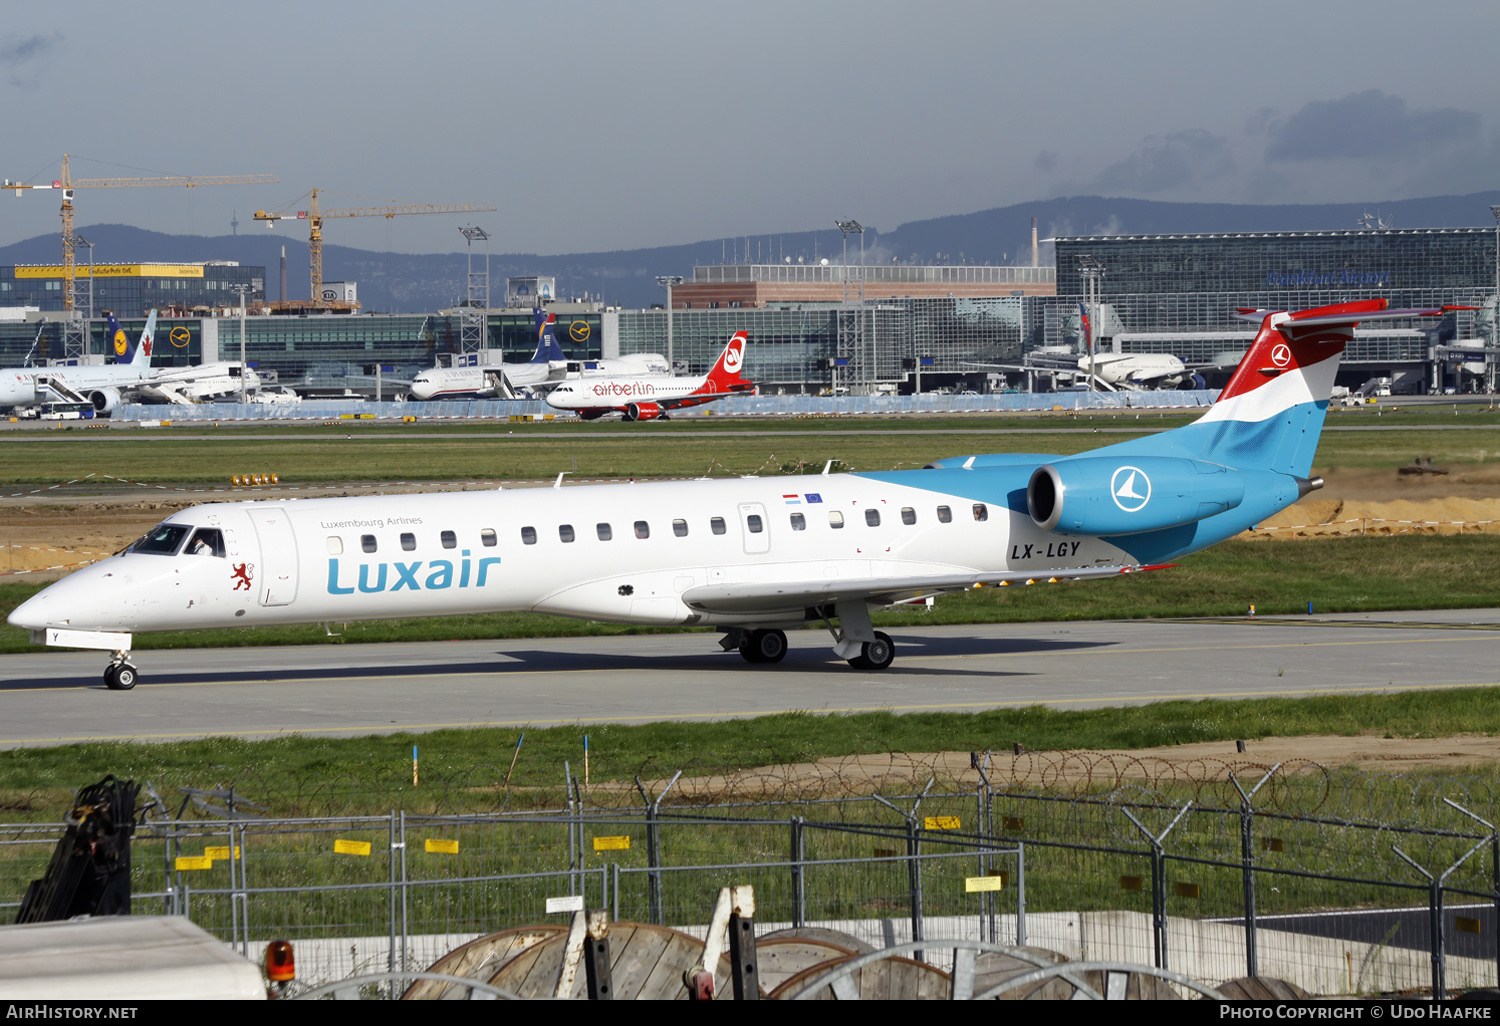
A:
(487, 451)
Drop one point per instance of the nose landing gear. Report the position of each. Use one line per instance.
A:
(120, 674)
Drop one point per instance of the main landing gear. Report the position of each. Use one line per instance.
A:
(763, 646)
(120, 674)
(855, 640)
(875, 655)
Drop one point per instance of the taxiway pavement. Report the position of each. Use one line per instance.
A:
(343, 690)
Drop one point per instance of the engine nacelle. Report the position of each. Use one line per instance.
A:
(1128, 495)
(104, 399)
(642, 411)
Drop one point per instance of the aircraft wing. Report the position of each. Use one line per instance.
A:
(696, 398)
(761, 597)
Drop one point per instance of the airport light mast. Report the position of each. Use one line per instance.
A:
(851, 317)
(315, 234)
(72, 329)
(472, 325)
(1493, 355)
(666, 281)
(1092, 272)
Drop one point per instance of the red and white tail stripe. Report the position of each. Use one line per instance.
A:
(1294, 358)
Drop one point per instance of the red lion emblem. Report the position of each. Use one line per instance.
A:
(242, 574)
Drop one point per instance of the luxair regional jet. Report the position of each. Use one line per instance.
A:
(751, 556)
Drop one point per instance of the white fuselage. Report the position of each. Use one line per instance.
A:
(18, 385)
(609, 393)
(1135, 368)
(378, 557)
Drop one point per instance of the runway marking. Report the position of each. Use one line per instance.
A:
(750, 713)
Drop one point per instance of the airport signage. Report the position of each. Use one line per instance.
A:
(1313, 279)
(116, 271)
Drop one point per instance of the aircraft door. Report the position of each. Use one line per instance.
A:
(756, 527)
(278, 556)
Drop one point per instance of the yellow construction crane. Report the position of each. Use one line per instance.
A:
(67, 185)
(315, 235)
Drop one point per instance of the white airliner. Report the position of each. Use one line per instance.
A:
(548, 366)
(101, 384)
(753, 556)
(649, 398)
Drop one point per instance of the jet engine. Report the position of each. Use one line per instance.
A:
(642, 411)
(1097, 496)
(104, 399)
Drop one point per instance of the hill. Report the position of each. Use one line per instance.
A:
(421, 282)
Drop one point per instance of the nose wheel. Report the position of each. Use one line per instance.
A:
(120, 676)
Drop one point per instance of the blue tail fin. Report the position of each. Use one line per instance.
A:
(547, 348)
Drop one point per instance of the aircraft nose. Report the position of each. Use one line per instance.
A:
(33, 614)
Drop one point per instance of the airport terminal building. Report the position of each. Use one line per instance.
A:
(916, 327)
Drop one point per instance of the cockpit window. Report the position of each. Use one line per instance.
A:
(162, 540)
(207, 541)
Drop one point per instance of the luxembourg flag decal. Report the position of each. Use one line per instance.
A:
(793, 500)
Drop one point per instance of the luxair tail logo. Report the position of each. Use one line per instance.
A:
(121, 342)
(733, 356)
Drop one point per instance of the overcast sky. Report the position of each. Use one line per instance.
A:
(596, 126)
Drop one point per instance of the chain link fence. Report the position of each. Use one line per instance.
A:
(1340, 882)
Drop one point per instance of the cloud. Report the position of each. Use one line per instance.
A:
(1186, 158)
(18, 51)
(1045, 162)
(1369, 124)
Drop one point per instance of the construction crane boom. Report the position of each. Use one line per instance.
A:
(315, 233)
(67, 185)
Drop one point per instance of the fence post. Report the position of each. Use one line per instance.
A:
(572, 854)
(1020, 894)
(914, 881)
(798, 893)
(392, 847)
(1247, 870)
(913, 863)
(981, 794)
(405, 899)
(1494, 867)
(1158, 882)
(1435, 914)
(238, 896)
(653, 867)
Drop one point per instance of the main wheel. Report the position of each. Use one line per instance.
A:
(766, 646)
(876, 655)
(120, 677)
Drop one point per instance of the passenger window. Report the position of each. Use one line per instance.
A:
(679, 528)
(799, 522)
(487, 537)
(908, 515)
(642, 529)
(565, 532)
(945, 515)
(605, 534)
(528, 536)
(872, 517)
(717, 523)
(367, 542)
(335, 545)
(408, 541)
(981, 511)
(835, 519)
(450, 540)
(753, 522)
(208, 541)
